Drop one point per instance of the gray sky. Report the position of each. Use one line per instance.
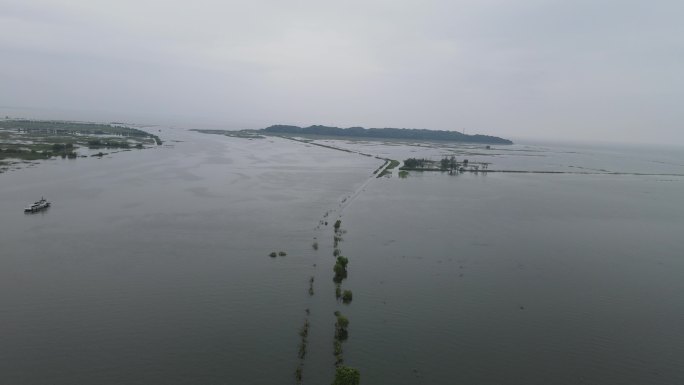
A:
(597, 69)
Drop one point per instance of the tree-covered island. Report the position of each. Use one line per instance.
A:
(385, 133)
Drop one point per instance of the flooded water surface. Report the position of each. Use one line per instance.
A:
(153, 266)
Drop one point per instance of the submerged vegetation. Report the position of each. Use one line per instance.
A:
(341, 326)
(347, 296)
(447, 163)
(65, 127)
(43, 139)
(311, 282)
(343, 261)
(340, 269)
(345, 375)
(298, 374)
(98, 143)
(341, 335)
(11, 152)
(304, 335)
(411, 163)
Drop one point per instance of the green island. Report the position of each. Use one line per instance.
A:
(29, 140)
(382, 133)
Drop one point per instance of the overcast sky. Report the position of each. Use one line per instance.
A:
(576, 69)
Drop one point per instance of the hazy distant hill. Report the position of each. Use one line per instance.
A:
(389, 133)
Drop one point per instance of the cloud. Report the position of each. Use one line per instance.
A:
(580, 69)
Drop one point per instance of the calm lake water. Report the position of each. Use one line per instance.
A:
(152, 266)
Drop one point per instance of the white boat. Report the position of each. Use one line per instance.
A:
(37, 206)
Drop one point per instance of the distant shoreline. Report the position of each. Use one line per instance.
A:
(384, 133)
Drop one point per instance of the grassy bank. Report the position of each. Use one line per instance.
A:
(388, 170)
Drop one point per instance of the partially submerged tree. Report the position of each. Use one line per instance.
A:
(344, 261)
(444, 164)
(345, 375)
(341, 325)
(340, 272)
(340, 269)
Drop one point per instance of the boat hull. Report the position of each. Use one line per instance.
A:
(37, 206)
